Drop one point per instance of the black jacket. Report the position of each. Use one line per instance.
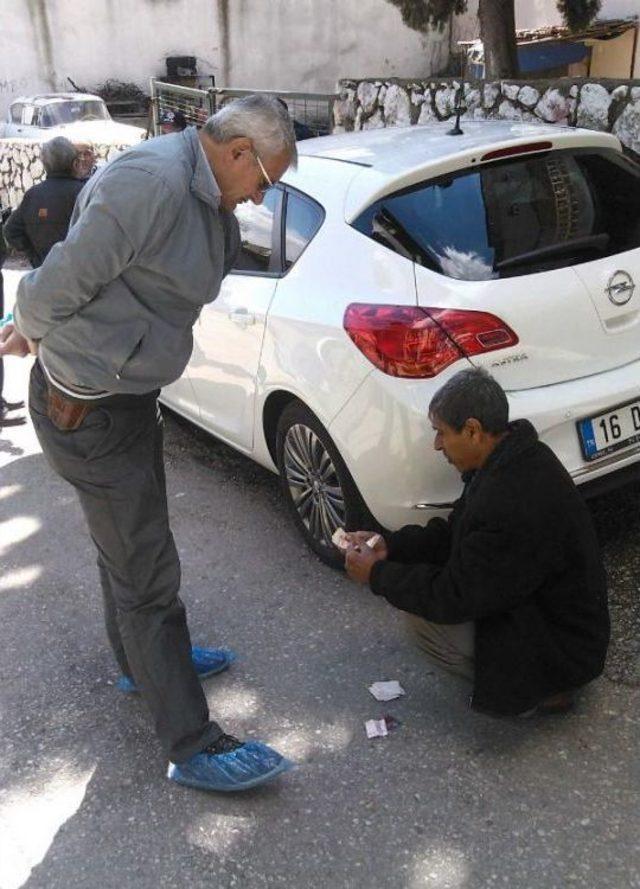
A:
(42, 219)
(519, 556)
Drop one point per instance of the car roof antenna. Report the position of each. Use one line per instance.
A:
(459, 110)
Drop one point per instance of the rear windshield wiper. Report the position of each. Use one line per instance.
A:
(598, 242)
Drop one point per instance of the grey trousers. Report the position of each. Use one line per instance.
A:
(114, 460)
(448, 646)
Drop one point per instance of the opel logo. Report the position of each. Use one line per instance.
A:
(620, 288)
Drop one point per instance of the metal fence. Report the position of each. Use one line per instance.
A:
(312, 113)
(196, 104)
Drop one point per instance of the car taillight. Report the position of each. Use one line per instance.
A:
(407, 341)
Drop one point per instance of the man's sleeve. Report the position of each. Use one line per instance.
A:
(418, 543)
(494, 570)
(15, 232)
(125, 215)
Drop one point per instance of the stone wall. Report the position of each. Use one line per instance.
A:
(611, 105)
(21, 167)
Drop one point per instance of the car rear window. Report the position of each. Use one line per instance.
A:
(514, 217)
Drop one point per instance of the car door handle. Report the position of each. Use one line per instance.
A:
(242, 317)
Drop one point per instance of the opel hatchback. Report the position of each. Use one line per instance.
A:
(388, 261)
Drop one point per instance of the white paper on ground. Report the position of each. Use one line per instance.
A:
(387, 690)
(376, 728)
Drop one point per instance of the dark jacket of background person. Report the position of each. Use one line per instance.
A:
(519, 556)
(42, 219)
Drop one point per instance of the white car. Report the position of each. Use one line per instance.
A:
(390, 260)
(81, 117)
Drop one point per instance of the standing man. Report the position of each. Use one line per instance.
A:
(510, 593)
(110, 316)
(42, 219)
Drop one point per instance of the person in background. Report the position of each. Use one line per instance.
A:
(172, 122)
(510, 592)
(42, 218)
(110, 315)
(85, 163)
(6, 407)
(301, 130)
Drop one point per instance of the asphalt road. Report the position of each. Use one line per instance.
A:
(450, 800)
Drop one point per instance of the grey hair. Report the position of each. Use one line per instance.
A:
(471, 393)
(58, 156)
(263, 119)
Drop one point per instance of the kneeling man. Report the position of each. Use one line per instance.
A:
(510, 592)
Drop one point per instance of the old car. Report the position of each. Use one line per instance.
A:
(78, 116)
(391, 259)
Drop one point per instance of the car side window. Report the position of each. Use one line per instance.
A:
(304, 218)
(46, 119)
(27, 115)
(16, 112)
(257, 233)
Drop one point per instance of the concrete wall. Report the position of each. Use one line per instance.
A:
(281, 44)
(608, 105)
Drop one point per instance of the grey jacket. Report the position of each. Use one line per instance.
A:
(113, 305)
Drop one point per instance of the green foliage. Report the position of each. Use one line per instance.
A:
(577, 14)
(421, 15)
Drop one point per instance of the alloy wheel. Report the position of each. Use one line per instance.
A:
(313, 483)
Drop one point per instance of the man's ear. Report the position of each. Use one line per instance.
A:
(474, 427)
(239, 146)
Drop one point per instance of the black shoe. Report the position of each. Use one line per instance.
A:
(555, 705)
(11, 421)
(10, 405)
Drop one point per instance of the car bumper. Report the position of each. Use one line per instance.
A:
(386, 440)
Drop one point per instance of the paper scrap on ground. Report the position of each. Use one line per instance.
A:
(376, 728)
(386, 691)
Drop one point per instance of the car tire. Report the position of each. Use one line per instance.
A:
(318, 487)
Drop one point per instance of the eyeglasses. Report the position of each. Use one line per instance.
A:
(265, 175)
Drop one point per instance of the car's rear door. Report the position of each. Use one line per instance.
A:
(228, 336)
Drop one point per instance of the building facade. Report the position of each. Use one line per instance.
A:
(284, 44)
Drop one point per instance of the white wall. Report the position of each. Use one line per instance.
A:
(271, 44)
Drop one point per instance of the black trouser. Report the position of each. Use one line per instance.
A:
(114, 461)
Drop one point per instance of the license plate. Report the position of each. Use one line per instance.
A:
(605, 433)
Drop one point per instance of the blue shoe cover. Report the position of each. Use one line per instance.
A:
(250, 765)
(207, 661)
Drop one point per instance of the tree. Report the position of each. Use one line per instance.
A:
(497, 25)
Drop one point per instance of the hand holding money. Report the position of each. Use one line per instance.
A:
(345, 540)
